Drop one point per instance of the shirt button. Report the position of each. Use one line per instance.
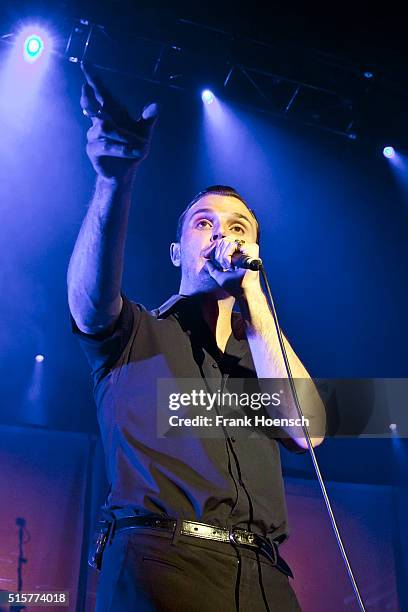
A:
(214, 365)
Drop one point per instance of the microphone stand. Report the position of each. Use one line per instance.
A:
(309, 444)
(21, 523)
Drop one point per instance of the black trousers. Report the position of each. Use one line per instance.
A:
(149, 571)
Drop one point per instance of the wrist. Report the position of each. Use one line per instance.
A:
(115, 183)
(251, 293)
(251, 303)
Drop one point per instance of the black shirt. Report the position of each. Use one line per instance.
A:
(226, 482)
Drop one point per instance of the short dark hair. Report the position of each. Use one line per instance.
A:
(224, 190)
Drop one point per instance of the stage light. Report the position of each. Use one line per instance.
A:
(33, 47)
(207, 96)
(39, 358)
(393, 427)
(388, 152)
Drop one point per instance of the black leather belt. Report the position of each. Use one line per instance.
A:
(235, 537)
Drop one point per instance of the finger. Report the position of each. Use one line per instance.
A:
(218, 274)
(247, 248)
(148, 119)
(107, 129)
(225, 249)
(228, 248)
(218, 259)
(94, 83)
(251, 249)
(110, 106)
(150, 111)
(213, 271)
(110, 148)
(89, 102)
(207, 251)
(214, 252)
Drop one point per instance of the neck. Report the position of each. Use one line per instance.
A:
(216, 312)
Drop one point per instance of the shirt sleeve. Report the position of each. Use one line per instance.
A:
(103, 351)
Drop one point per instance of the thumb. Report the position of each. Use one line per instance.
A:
(148, 119)
(214, 272)
(150, 112)
(89, 102)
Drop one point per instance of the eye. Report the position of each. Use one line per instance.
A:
(203, 224)
(238, 228)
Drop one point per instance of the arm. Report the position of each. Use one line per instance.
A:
(116, 144)
(263, 340)
(96, 265)
(266, 353)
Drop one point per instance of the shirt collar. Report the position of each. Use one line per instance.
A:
(169, 304)
(241, 347)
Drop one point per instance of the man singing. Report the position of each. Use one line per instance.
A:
(193, 523)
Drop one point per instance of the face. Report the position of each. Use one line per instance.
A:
(210, 219)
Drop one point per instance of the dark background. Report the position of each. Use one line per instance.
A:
(333, 210)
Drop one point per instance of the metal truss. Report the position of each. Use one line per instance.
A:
(302, 85)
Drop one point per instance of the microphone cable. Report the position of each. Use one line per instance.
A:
(309, 444)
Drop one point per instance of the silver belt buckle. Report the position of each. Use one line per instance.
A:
(239, 536)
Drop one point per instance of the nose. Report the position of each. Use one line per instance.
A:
(218, 236)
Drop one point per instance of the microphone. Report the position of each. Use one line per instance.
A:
(239, 260)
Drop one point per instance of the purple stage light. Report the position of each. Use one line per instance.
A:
(22, 73)
(207, 96)
(389, 152)
(39, 358)
(33, 42)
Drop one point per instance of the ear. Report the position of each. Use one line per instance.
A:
(175, 254)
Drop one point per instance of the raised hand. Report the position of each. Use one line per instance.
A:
(116, 142)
